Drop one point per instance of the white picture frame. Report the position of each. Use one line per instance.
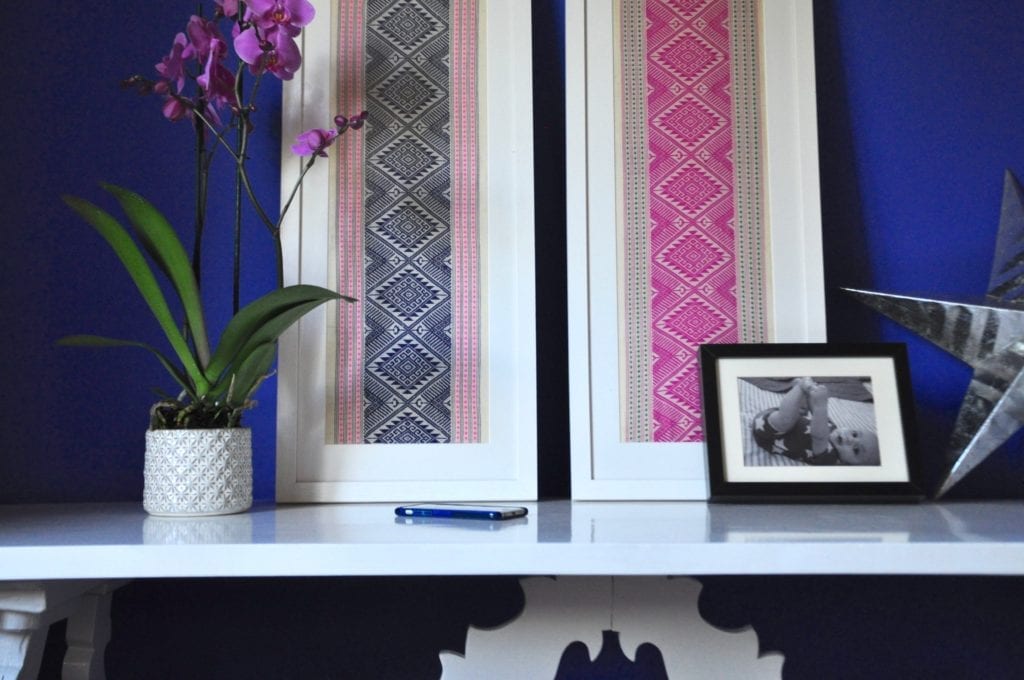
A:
(503, 466)
(603, 466)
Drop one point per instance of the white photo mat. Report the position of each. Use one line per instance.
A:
(604, 467)
(503, 465)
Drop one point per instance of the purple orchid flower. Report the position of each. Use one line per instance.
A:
(174, 109)
(314, 141)
(217, 82)
(172, 67)
(201, 33)
(343, 122)
(277, 54)
(271, 16)
(356, 121)
(228, 8)
(268, 44)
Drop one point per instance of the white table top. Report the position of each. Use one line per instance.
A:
(118, 540)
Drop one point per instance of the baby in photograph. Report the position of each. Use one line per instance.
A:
(799, 428)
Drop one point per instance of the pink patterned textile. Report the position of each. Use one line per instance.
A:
(692, 264)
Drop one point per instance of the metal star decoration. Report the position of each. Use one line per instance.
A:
(988, 336)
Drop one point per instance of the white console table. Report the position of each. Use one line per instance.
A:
(61, 561)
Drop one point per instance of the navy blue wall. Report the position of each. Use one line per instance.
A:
(919, 115)
(72, 418)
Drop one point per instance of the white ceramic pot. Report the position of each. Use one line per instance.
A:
(191, 473)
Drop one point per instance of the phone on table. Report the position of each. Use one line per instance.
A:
(461, 511)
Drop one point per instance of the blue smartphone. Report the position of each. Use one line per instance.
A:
(460, 511)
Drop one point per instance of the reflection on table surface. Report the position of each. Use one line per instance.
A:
(548, 522)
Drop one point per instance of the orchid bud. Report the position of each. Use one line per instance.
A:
(139, 84)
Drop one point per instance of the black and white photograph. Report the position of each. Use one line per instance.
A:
(808, 422)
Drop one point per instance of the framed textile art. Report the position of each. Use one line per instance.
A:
(693, 176)
(425, 388)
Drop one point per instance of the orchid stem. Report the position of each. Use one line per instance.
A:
(200, 202)
(267, 222)
(241, 133)
(295, 190)
(217, 135)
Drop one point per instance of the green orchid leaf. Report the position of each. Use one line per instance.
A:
(269, 332)
(251, 373)
(132, 259)
(162, 244)
(100, 341)
(250, 326)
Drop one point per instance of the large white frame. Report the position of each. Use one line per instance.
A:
(504, 466)
(603, 467)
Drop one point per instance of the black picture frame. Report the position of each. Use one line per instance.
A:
(870, 454)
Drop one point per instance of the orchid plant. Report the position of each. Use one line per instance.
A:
(201, 82)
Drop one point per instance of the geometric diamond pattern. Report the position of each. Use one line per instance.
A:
(407, 93)
(408, 295)
(691, 189)
(686, 7)
(408, 160)
(407, 212)
(688, 56)
(406, 366)
(689, 122)
(685, 388)
(406, 25)
(407, 429)
(693, 255)
(694, 322)
(407, 225)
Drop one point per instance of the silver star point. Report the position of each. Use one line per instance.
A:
(987, 335)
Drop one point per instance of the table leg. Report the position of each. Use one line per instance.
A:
(27, 608)
(88, 634)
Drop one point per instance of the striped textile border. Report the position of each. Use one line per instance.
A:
(466, 340)
(351, 96)
(752, 300)
(636, 409)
